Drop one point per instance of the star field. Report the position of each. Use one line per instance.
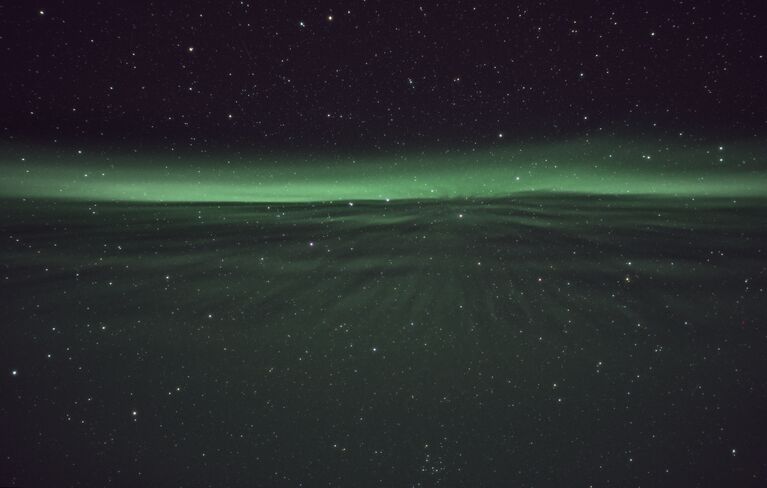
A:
(537, 340)
(394, 244)
(378, 74)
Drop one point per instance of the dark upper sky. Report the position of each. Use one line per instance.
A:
(377, 73)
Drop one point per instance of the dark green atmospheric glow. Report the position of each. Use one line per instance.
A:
(399, 340)
(600, 166)
(600, 319)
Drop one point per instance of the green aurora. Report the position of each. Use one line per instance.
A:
(602, 166)
(161, 315)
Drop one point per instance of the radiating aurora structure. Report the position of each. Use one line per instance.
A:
(603, 166)
(469, 313)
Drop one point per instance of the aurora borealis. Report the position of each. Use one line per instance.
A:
(392, 244)
(604, 166)
(233, 340)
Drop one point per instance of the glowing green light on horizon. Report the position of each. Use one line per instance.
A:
(599, 167)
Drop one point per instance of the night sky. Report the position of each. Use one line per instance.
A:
(376, 74)
(394, 244)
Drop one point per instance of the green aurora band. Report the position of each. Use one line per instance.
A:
(596, 166)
